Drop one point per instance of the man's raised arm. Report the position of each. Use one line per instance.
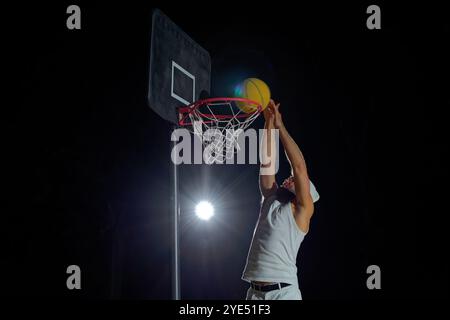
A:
(304, 205)
(267, 183)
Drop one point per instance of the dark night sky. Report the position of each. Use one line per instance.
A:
(87, 162)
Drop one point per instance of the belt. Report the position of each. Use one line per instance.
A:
(268, 287)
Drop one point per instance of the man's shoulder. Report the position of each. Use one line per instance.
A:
(270, 202)
(269, 199)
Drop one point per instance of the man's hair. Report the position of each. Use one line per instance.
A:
(284, 195)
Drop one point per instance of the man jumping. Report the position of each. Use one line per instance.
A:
(283, 220)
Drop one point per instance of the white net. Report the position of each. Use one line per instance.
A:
(218, 124)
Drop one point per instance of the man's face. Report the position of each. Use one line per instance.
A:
(288, 183)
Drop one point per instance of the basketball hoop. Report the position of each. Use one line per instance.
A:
(219, 120)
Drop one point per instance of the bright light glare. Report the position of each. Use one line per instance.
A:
(204, 210)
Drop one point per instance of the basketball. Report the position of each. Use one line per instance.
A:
(253, 89)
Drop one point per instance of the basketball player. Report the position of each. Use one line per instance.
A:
(283, 220)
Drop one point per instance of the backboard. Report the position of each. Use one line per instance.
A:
(180, 69)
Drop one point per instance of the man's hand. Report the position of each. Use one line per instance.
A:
(277, 119)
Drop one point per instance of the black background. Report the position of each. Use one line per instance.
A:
(86, 162)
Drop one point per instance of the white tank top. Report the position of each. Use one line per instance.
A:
(275, 244)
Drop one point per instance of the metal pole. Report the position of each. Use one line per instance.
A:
(175, 231)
